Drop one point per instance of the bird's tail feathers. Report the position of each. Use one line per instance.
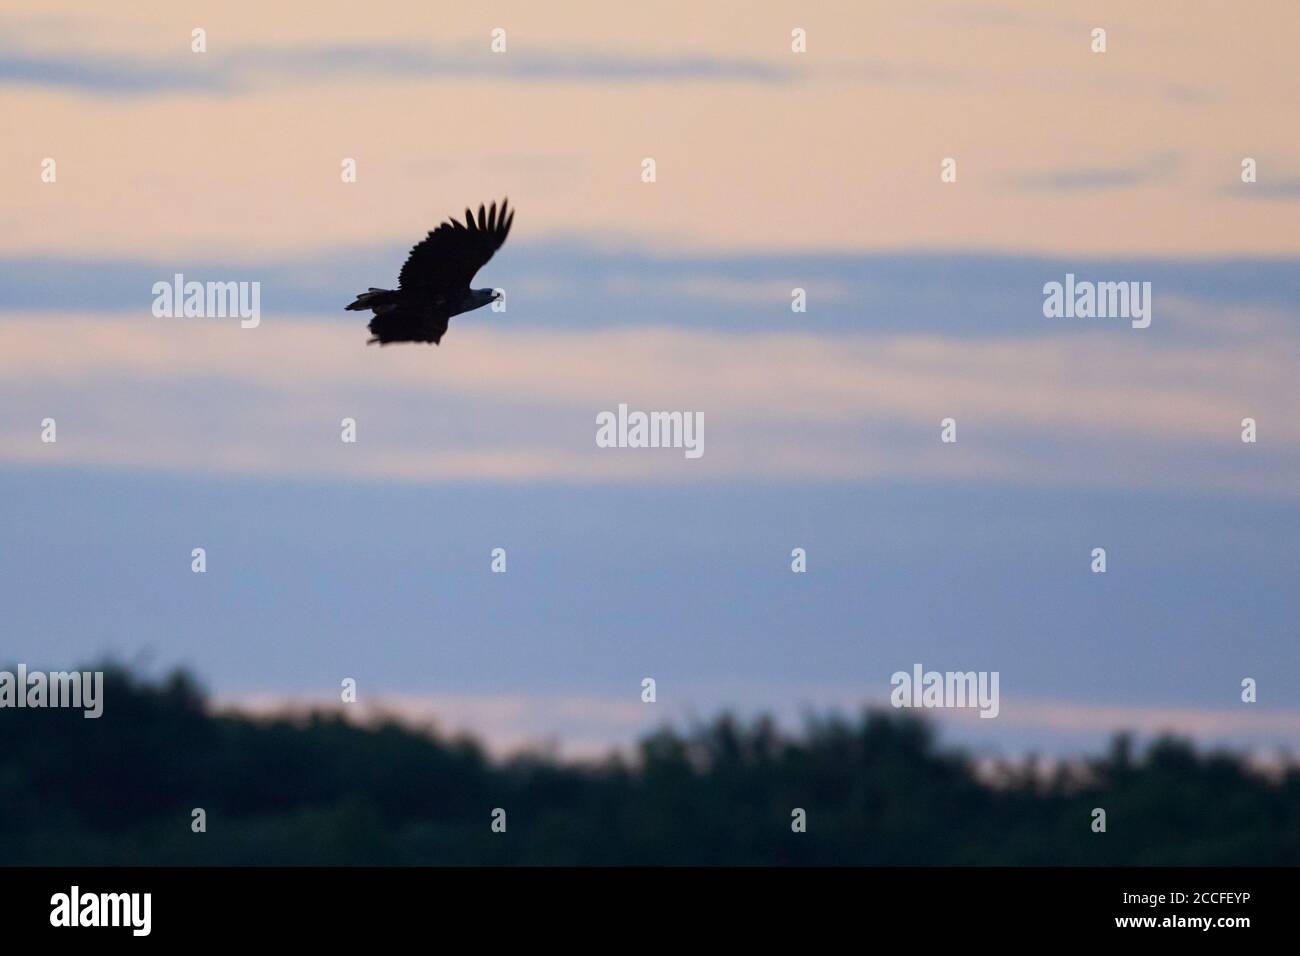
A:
(374, 299)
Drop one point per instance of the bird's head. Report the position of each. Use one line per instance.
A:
(484, 297)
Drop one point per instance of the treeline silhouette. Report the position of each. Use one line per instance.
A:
(321, 790)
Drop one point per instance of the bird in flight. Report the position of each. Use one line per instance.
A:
(434, 284)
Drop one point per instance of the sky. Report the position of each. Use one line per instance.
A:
(775, 170)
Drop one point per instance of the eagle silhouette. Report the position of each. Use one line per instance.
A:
(434, 284)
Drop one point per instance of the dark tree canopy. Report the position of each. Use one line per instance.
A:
(319, 790)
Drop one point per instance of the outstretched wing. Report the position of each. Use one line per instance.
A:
(450, 255)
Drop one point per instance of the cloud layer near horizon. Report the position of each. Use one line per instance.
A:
(592, 727)
(520, 403)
